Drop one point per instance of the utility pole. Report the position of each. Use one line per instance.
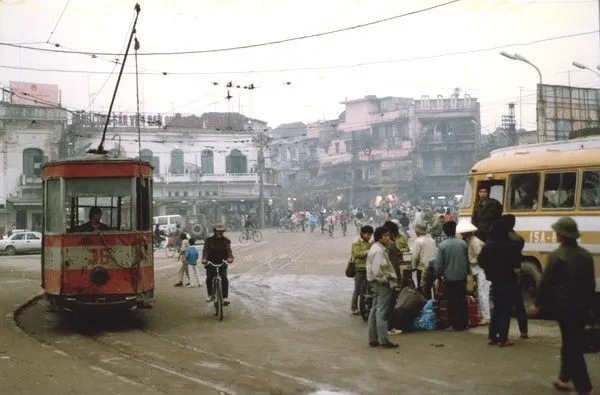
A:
(262, 141)
(353, 154)
(520, 107)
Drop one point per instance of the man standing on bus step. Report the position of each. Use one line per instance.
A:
(487, 211)
(567, 292)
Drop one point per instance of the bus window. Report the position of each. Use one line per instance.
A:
(590, 189)
(53, 221)
(523, 192)
(111, 195)
(467, 194)
(559, 190)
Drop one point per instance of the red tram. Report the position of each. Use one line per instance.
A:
(97, 235)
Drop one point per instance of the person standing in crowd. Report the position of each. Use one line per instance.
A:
(453, 265)
(467, 231)
(448, 215)
(423, 251)
(518, 301)
(566, 292)
(382, 277)
(360, 250)
(487, 211)
(500, 258)
(397, 246)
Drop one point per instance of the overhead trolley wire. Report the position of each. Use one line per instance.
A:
(331, 67)
(248, 46)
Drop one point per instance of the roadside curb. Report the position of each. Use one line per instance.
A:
(12, 316)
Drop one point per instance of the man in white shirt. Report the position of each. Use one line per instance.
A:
(382, 277)
(423, 251)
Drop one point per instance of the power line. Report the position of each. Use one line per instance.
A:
(347, 66)
(263, 44)
(58, 21)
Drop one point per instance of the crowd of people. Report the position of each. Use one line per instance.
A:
(488, 251)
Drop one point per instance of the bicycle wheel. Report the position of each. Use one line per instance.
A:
(243, 237)
(219, 301)
(257, 236)
(170, 252)
(363, 306)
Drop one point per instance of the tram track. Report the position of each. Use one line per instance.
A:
(169, 365)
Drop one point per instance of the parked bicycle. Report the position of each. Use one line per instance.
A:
(250, 233)
(217, 295)
(365, 299)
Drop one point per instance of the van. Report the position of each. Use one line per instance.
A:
(167, 223)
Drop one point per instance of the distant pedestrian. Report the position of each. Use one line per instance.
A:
(566, 292)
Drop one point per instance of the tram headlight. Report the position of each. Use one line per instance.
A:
(99, 276)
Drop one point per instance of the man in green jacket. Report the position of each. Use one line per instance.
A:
(358, 255)
(567, 291)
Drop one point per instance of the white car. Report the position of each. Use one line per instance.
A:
(22, 242)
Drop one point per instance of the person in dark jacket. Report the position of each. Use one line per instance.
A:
(453, 265)
(487, 211)
(216, 249)
(500, 258)
(518, 296)
(566, 292)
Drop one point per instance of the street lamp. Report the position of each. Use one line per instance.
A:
(540, 114)
(584, 67)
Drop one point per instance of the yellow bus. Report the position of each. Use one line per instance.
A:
(539, 184)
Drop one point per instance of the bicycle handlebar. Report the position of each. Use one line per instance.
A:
(224, 262)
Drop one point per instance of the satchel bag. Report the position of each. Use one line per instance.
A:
(350, 270)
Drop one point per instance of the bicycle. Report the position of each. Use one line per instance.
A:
(217, 295)
(250, 233)
(365, 300)
(172, 247)
(344, 228)
(330, 229)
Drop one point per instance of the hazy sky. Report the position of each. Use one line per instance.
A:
(315, 92)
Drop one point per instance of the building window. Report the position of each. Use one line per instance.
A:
(523, 191)
(559, 190)
(236, 162)
(337, 148)
(207, 162)
(185, 193)
(33, 159)
(177, 162)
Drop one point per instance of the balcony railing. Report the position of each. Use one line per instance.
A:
(196, 178)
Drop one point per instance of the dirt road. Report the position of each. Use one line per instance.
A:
(288, 330)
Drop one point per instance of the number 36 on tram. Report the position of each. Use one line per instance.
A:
(97, 234)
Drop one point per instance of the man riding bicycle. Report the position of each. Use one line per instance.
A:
(216, 249)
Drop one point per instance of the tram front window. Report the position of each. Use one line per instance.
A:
(99, 204)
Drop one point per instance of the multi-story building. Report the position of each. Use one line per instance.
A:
(202, 165)
(448, 131)
(29, 137)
